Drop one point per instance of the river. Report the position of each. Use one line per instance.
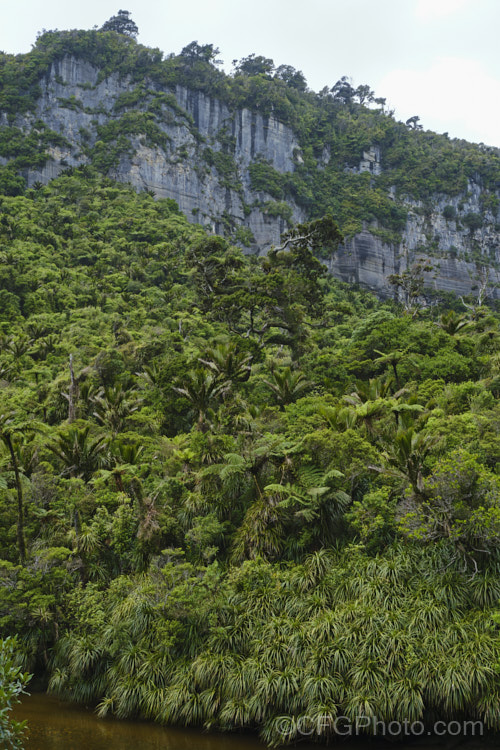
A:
(58, 725)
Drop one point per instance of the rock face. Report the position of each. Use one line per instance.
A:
(367, 261)
(199, 154)
(75, 103)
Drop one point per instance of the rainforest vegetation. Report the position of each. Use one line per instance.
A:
(232, 488)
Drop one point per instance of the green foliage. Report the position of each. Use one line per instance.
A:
(472, 221)
(254, 65)
(12, 684)
(225, 165)
(231, 487)
(10, 182)
(121, 24)
(263, 177)
(279, 208)
(27, 150)
(373, 518)
(191, 646)
(460, 503)
(113, 142)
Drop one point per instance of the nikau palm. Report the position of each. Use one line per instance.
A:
(263, 498)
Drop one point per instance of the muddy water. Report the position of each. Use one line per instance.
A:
(57, 725)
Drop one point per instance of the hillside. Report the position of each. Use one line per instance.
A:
(249, 154)
(234, 489)
(236, 492)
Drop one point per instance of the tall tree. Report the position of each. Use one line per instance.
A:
(122, 24)
(9, 429)
(254, 65)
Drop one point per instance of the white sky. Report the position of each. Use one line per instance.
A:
(438, 59)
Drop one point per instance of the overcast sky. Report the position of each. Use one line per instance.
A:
(437, 59)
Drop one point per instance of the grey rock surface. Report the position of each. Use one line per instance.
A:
(75, 103)
(367, 261)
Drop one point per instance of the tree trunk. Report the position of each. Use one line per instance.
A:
(21, 544)
(72, 392)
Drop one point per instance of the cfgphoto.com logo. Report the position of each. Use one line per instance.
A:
(307, 726)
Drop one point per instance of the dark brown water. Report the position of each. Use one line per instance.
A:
(57, 725)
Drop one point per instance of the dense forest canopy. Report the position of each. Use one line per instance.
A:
(234, 489)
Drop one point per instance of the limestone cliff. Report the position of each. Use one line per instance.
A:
(75, 103)
(188, 146)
